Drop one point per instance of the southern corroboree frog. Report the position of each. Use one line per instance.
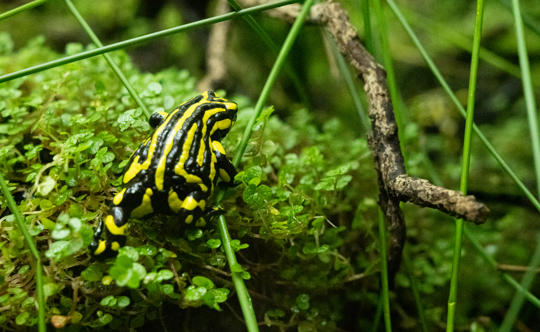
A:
(173, 171)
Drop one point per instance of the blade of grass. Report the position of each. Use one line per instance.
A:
(460, 108)
(465, 163)
(241, 290)
(378, 314)
(414, 289)
(528, 91)
(21, 8)
(517, 301)
(529, 22)
(384, 272)
(528, 277)
(265, 37)
(449, 34)
(19, 220)
(140, 40)
(278, 64)
(108, 58)
(349, 81)
(395, 96)
(368, 33)
(491, 261)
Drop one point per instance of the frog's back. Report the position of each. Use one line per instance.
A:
(179, 152)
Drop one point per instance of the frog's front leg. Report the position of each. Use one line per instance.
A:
(110, 232)
(226, 169)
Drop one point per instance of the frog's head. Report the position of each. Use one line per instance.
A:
(221, 122)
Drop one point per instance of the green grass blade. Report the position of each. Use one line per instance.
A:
(140, 40)
(526, 282)
(528, 91)
(239, 285)
(527, 279)
(395, 96)
(242, 292)
(345, 71)
(460, 108)
(265, 37)
(465, 163)
(528, 295)
(529, 22)
(21, 8)
(108, 58)
(368, 33)
(384, 272)
(450, 34)
(414, 289)
(19, 220)
(278, 64)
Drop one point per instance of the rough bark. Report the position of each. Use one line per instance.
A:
(395, 185)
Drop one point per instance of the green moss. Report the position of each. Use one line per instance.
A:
(65, 136)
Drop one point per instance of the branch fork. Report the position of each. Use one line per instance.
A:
(395, 185)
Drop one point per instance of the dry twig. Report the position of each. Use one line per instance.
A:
(215, 53)
(395, 185)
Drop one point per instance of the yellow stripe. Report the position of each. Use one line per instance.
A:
(202, 148)
(111, 226)
(118, 197)
(224, 175)
(135, 166)
(115, 246)
(190, 203)
(217, 146)
(222, 124)
(175, 203)
(160, 170)
(146, 205)
(101, 247)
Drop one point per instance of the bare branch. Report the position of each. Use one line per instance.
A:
(215, 52)
(394, 184)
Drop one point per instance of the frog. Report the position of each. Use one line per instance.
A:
(174, 171)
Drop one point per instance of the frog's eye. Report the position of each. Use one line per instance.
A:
(156, 119)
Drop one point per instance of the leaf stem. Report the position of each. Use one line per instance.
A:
(414, 289)
(460, 108)
(21, 8)
(265, 37)
(384, 272)
(19, 220)
(278, 64)
(465, 163)
(241, 290)
(108, 58)
(528, 91)
(140, 40)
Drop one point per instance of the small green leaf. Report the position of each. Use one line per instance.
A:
(108, 301)
(203, 282)
(60, 233)
(46, 186)
(123, 301)
(22, 318)
(155, 88)
(164, 275)
(194, 293)
(92, 273)
(213, 243)
(302, 301)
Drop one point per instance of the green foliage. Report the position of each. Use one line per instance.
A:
(65, 137)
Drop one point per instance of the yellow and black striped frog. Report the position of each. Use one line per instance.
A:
(174, 171)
